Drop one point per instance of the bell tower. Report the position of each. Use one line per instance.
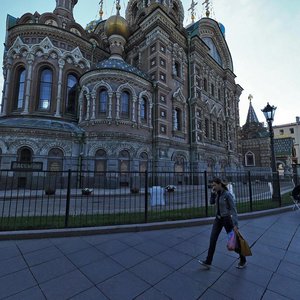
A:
(64, 8)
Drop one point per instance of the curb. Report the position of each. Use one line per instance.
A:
(83, 231)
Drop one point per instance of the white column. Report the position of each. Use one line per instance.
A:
(88, 97)
(30, 59)
(110, 94)
(6, 86)
(133, 118)
(93, 106)
(61, 64)
(118, 106)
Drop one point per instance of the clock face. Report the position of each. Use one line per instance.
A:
(214, 53)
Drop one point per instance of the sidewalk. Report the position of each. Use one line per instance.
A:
(158, 265)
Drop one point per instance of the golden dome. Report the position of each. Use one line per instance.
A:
(116, 25)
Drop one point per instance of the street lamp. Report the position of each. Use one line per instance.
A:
(269, 112)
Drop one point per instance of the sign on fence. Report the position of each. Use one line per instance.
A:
(26, 166)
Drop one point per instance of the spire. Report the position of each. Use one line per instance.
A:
(251, 117)
(207, 5)
(101, 9)
(118, 7)
(192, 9)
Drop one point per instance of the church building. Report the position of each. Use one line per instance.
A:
(123, 94)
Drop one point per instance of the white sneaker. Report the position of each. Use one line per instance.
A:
(241, 265)
(204, 264)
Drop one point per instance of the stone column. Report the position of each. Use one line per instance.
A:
(110, 94)
(6, 86)
(88, 97)
(61, 64)
(133, 109)
(118, 106)
(30, 59)
(93, 95)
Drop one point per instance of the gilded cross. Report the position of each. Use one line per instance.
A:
(250, 97)
(192, 9)
(206, 3)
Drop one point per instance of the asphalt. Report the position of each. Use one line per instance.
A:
(155, 264)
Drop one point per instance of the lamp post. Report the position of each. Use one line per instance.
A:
(269, 112)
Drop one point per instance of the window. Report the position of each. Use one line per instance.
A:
(219, 94)
(177, 69)
(153, 49)
(162, 76)
(100, 164)
(162, 62)
(25, 155)
(212, 87)
(143, 108)
(55, 160)
(206, 128)
(177, 119)
(162, 48)
(125, 104)
(221, 133)
(153, 62)
(162, 98)
(143, 162)
(20, 89)
(71, 94)
(205, 84)
(103, 99)
(214, 129)
(292, 130)
(163, 113)
(281, 131)
(163, 129)
(249, 159)
(45, 90)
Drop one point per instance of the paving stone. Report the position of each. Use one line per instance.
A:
(151, 248)
(285, 286)
(125, 286)
(12, 265)
(85, 256)
(16, 282)
(112, 246)
(34, 293)
(177, 286)
(52, 269)
(102, 270)
(152, 294)
(151, 271)
(269, 295)
(90, 294)
(65, 286)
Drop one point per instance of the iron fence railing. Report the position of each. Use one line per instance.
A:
(48, 199)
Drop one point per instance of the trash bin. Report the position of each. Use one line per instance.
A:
(157, 195)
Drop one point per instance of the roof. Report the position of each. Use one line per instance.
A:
(251, 117)
(118, 64)
(41, 124)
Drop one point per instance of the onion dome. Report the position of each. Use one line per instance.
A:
(222, 28)
(116, 25)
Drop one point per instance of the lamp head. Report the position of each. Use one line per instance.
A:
(269, 112)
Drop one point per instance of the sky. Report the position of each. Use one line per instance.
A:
(262, 36)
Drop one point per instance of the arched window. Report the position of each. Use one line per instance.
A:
(55, 160)
(45, 89)
(249, 159)
(125, 104)
(25, 155)
(143, 162)
(179, 165)
(143, 109)
(0, 157)
(20, 89)
(103, 100)
(100, 161)
(124, 162)
(71, 94)
(177, 119)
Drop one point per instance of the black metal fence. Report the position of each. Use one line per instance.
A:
(47, 199)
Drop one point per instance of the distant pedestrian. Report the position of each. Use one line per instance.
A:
(226, 216)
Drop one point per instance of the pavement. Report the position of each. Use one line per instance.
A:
(155, 264)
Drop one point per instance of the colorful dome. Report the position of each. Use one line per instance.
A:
(116, 25)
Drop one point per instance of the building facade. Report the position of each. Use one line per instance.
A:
(123, 94)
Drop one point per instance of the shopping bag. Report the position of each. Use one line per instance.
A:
(231, 242)
(243, 245)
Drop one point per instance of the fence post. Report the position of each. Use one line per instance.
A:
(278, 184)
(250, 191)
(206, 193)
(146, 196)
(68, 199)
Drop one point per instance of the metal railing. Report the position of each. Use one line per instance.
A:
(47, 199)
